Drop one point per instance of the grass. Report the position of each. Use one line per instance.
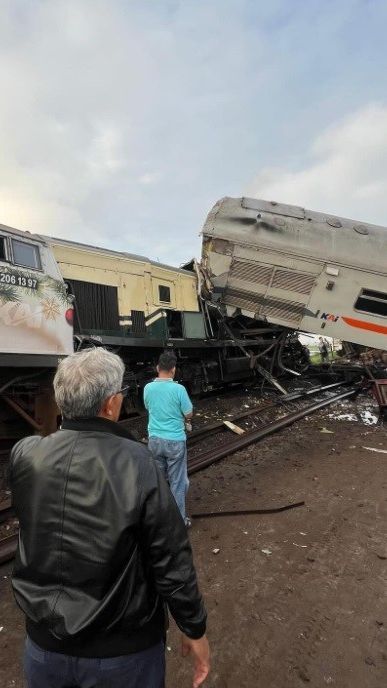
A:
(316, 358)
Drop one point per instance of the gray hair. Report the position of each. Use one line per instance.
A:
(85, 379)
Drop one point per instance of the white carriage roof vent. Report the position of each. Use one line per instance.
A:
(333, 222)
(361, 229)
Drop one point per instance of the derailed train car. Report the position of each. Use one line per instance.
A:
(298, 269)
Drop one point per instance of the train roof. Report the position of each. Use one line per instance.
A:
(110, 252)
(23, 234)
(300, 232)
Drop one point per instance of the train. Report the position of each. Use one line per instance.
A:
(57, 296)
(267, 271)
(299, 269)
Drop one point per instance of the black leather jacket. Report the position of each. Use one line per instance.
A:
(102, 545)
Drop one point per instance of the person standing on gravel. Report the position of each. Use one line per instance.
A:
(96, 566)
(170, 411)
(324, 349)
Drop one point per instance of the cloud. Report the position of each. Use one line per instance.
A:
(346, 171)
(149, 178)
(121, 123)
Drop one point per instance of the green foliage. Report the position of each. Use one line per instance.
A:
(8, 293)
(58, 288)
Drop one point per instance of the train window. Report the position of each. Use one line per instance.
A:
(164, 294)
(371, 301)
(26, 255)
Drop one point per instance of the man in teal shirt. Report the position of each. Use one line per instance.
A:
(170, 410)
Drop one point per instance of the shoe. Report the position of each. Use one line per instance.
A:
(188, 522)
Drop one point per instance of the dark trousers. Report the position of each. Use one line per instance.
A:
(45, 669)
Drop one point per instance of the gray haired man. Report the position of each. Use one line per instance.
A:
(96, 564)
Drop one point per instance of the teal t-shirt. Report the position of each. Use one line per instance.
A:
(167, 403)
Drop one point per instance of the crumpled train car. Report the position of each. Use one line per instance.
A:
(296, 268)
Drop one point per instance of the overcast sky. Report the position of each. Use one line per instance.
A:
(123, 121)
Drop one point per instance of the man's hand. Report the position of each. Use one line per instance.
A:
(200, 651)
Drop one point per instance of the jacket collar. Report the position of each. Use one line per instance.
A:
(96, 425)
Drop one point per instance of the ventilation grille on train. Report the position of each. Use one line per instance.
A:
(293, 281)
(284, 310)
(138, 323)
(261, 305)
(243, 299)
(277, 278)
(251, 272)
(96, 306)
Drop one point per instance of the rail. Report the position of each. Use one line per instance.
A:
(219, 426)
(8, 542)
(210, 456)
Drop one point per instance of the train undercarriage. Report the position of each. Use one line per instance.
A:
(240, 350)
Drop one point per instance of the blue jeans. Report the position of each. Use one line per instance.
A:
(171, 456)
(45, 669)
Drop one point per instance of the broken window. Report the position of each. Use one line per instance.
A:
(371, 301)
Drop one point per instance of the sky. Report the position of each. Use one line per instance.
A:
(122, 122)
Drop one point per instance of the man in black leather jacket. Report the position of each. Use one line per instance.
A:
(102, 547)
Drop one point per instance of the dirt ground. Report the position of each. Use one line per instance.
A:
(296, 598)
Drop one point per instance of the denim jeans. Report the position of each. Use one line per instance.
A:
(171, 456)
(45, 669)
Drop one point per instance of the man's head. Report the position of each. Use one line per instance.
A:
(87, 384)
(167, 364)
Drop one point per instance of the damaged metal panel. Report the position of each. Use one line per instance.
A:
(273, 207)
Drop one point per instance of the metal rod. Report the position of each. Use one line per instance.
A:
(248, 512)
(8, 546)
(15, 406)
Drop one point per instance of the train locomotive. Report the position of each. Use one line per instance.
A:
(58, 296)
(138, 307)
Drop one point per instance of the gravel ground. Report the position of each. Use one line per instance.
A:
(294, 599)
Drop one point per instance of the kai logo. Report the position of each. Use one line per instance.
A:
(330, 317)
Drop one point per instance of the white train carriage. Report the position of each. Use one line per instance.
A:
(303, 270)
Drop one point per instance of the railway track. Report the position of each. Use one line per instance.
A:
(283, 402)
(214, 442)
(8, 540)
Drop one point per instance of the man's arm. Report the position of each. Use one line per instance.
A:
(145, 395)
(166, 546)
(185, 404)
